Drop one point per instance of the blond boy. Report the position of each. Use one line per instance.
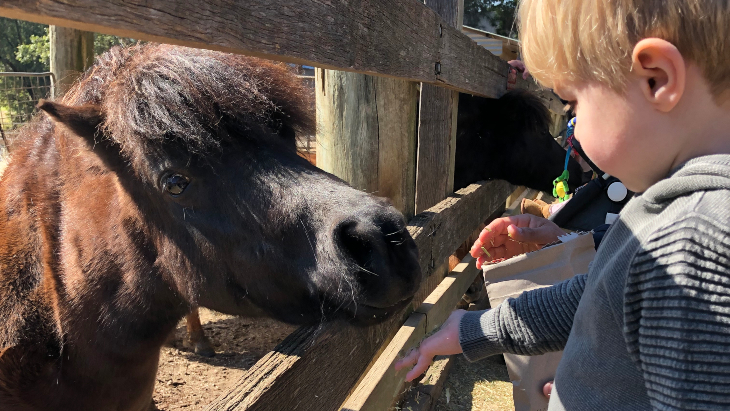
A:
(649, 326)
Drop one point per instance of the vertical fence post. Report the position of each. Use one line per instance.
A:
(72, 52)
(366, 133)
(437, 125)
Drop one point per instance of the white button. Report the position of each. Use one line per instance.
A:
(617, 191)
(610, 218)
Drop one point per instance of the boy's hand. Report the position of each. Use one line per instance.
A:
(510, 236)
(443, 342)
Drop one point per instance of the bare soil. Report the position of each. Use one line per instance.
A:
(186, 381)
(480, 386)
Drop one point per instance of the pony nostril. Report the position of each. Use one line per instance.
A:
(381, 258)
(356, 240)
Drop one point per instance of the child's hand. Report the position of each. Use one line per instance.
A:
(510, 236)
(520, 66)
(443, 342)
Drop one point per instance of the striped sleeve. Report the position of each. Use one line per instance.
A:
(536, 322)
(677, 315)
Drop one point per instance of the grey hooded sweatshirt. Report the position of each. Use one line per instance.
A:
(649, 326)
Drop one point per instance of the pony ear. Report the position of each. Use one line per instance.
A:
(85, 123)
(82, 120)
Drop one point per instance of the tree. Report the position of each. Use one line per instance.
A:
(103, 42)
(21, 45)
(500, 14)
(25, 47)
(15, 33)
(38, 47)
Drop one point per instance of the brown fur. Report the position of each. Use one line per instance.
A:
(98, 263)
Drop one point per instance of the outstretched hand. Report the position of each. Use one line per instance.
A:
(510, 236)
(443, 342)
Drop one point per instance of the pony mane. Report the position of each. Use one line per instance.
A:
(154, 94)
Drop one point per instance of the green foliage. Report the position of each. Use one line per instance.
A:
(499, 13)
(103, 42)
(25, 47)
(38, 50)
(15, 33)
(22, 48)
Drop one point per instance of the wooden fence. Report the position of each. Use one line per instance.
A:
(408, 111)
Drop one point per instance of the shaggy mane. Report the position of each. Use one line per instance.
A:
(151, 94)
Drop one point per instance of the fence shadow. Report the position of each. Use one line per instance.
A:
(238, 341)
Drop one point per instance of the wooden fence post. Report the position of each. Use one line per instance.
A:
(366, 133)
(437, 125)
(72, 52)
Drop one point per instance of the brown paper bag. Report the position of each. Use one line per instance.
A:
(537, 269)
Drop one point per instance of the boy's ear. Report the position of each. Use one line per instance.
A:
(662, 72)
(81, 120)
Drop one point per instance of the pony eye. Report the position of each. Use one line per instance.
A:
(175, 184)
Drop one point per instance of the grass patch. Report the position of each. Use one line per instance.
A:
(480, 386)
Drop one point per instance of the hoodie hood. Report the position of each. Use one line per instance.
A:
(699, 174)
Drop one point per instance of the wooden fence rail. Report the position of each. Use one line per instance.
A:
(382, 384)
(402, 39)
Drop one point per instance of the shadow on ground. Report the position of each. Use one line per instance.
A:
(238, 342)
(188, 381)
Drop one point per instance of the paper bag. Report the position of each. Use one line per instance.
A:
(525, 272)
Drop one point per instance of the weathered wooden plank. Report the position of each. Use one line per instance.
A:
(347, 127)
(423, 397)
(427, 287)
(315, 367)
(515, 194)
(514, 207)
(436, 145)
(397, 107)
(310, 370)
(437, 126)
(366, 133)
(413, 42)
(382, 384)
(441, 229)
(423, 394)
(548, 97)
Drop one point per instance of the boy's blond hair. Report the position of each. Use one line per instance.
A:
(593, 40)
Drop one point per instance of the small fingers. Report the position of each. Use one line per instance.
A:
(547, 389)
(480, 261)
(424, 361)
(538, 235)
(408, 360)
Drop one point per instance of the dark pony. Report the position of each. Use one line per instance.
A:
(167, 178)
(509, 139)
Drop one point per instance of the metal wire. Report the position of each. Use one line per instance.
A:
(19, 95)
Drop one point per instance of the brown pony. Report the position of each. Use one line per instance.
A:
(167, 178)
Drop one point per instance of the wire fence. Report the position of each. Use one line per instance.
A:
(19, 95)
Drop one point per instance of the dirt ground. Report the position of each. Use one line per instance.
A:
(480, 386)
(186, 381)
